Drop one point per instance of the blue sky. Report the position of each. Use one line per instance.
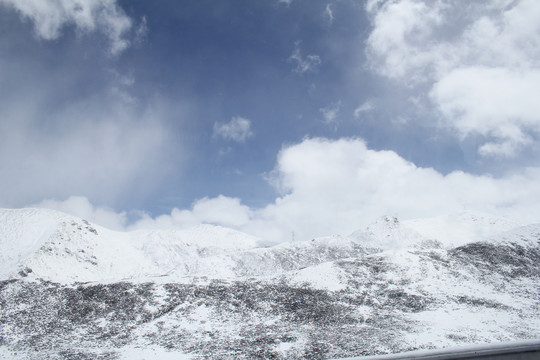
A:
(269, 116)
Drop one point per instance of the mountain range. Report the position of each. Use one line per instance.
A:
(70, 289)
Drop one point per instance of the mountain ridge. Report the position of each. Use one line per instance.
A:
(72, 249)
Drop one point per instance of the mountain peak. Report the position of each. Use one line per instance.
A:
(384, 223)
(387, 233)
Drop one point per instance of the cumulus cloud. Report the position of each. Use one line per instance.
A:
(338, 186)
(238, 129)
(51, 16)
(304, 65)
(475, 60)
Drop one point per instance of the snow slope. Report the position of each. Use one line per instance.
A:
(22, 233)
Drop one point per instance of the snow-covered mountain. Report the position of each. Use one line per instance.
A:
(54, 246)
(72, 289)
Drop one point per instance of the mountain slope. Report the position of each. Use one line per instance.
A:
(387, 288)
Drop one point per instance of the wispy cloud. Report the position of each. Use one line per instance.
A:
(366, 106)
(92, 145)
(330, 113)
(238, 129)
(306, 64)
(51, 16)
(329, 13)
(99, 159)
(142, 31)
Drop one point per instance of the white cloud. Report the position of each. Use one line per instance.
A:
(336, 187)
(287, 2)
(366, 106)
(50, 16)
(221, 210)
(303, 65)
(480, 61)
(238, 129)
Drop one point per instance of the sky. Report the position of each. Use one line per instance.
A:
(274, 117)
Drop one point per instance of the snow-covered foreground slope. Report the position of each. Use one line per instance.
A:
(76, 290)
